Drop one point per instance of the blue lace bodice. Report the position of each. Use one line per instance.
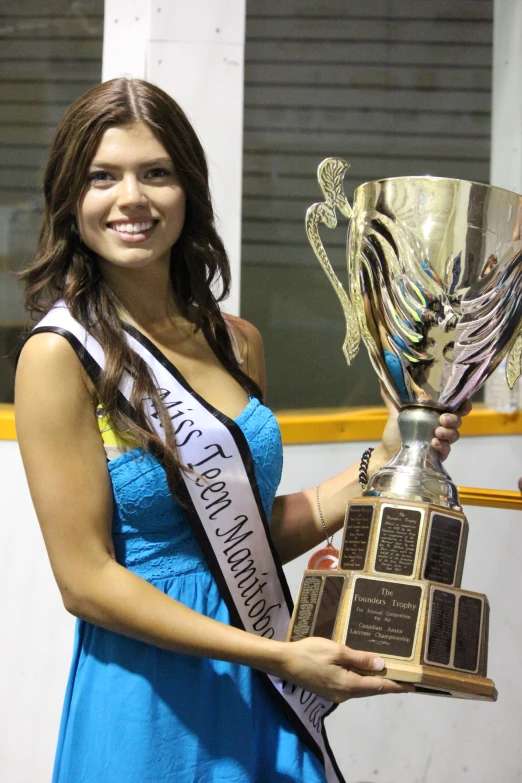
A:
(151, 533)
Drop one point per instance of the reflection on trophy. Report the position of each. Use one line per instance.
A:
(435, 291)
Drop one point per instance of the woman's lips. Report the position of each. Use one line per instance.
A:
(132, 232)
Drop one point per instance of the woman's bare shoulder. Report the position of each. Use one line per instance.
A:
(49, 358)
(247, 335)
(52, 392)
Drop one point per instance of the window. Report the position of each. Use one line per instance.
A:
(50, 53)
(393, 88)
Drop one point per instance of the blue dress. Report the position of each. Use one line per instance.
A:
(134, 713)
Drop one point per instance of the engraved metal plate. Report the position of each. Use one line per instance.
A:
(456, 623)
(440, 627)
(384, 617)
(318, 606)
(444, 541)
(357, 529)
(468, 633)
(329, 607)
(398, 540)
(306, 606)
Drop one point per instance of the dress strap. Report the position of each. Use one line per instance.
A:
(233, 340)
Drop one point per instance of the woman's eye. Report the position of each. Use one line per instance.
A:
(159, 172)
(99, 176)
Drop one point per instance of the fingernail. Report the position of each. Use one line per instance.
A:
(378, 664)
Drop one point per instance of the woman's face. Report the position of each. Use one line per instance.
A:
(133, 207)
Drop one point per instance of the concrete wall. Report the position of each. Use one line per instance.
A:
(394, 739)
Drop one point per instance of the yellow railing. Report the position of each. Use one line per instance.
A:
(491, 498)
(366, 424)
(7, 423)
(333, 425)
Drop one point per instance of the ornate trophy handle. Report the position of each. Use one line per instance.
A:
(330, 175)
(514, 361)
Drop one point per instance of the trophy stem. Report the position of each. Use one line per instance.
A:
(416, 472)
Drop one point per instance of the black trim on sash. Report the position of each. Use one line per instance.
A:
(91, 365)
(94, 370)
(237, 434)
(328, 747)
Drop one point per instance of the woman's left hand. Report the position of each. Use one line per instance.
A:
(446, 434)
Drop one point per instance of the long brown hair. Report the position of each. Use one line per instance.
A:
(65, 268)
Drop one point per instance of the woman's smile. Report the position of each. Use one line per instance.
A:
(132, 231)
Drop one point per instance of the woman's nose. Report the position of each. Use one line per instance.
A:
(130, 192)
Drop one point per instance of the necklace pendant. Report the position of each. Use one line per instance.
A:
(325, 559)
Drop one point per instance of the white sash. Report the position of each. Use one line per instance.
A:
(228, 518)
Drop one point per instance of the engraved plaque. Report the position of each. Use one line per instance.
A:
(440, 634)
(357, 535)
(329, 606)
(398, 538)
(383, 617)
(305, 609)
(443, 549)
(467, 638)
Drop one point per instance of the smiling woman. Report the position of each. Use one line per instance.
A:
(153, 467)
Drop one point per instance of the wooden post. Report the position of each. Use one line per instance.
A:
(195, 52)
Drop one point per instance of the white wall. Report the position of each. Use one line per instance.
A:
(406, 739)
(195, 52)
(426, 739)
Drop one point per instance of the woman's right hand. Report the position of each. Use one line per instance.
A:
(328, 669)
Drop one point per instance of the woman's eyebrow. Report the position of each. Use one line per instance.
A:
(100, 164)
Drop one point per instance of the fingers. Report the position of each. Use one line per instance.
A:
(366, 685)
(465, 408)
(377, 686)
(450, 421)
(446, 434)
(366, 661)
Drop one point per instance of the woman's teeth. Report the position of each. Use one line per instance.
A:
(132, 228)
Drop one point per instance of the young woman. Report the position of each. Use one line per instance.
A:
(131, 366)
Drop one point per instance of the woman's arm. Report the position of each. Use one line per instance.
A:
(69, 482)
(296, 525)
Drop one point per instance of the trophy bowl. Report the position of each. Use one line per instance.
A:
(435, 292)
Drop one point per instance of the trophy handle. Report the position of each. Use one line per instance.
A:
(330, 175)
(514, 361)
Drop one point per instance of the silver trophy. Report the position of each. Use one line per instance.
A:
(435, 292)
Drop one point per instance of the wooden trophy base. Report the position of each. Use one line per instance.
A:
(397, 593)
(432, 681)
